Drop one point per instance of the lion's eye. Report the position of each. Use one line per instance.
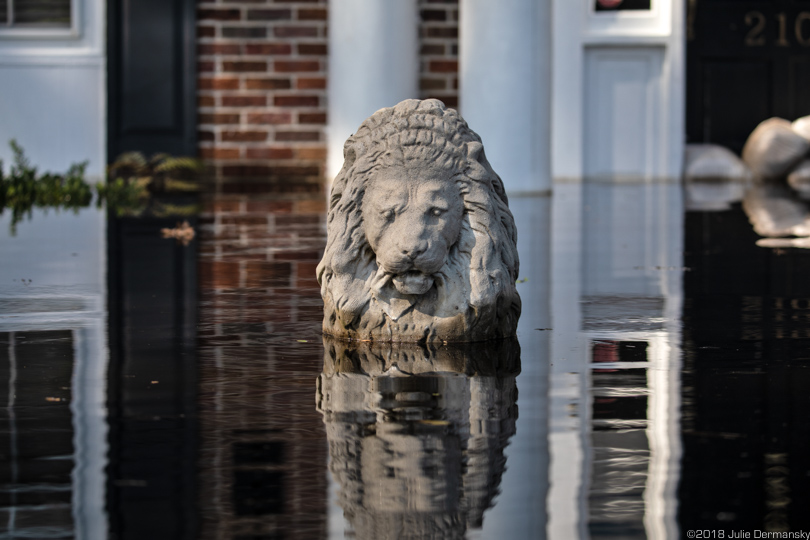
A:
(436, 211)
(388, 214)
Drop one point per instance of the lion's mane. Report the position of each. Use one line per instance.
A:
(479, 275)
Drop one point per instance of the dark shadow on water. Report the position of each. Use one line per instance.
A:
(152, 388)
(745, 427)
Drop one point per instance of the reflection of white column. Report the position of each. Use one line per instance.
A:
(89, 403)
(81, 282)
(623, 244)
(663, 433)
(522, 506)
(373, 63)
(90, 429)
(504, 85)
(568, 397)
(12, 428)
(661, 493)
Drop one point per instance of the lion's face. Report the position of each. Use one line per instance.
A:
(412, 217)
(421, 244)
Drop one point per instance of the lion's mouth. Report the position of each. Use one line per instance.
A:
(413, 282)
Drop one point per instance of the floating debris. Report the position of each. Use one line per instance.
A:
(183, 233)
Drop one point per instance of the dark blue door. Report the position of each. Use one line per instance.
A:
(746, 61)
(151, 81)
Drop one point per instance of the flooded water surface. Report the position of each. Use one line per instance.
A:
(659, 382)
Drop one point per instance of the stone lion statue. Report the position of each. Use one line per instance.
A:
(421, 243)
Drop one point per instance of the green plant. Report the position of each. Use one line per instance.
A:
(125, 198)
(22, 188)
(161, 172)
(131, 178)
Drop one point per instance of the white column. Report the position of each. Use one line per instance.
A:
(373, 63)
(505, 86)
(567, 93)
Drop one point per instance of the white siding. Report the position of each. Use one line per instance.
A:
(53, 95)
(623, 105)
(647, 48)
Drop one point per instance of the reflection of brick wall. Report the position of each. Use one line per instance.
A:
(438, 39)
(262, 92)
(264, 244)
(263, 447)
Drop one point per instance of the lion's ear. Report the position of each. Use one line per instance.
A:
(478, 165)
(339, 184)
(349, 155)
(475, 151)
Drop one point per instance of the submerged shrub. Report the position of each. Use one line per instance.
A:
(22, 189)
(132, 178)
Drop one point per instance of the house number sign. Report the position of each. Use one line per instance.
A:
(757, 22)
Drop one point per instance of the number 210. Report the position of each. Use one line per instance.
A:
(756, 35)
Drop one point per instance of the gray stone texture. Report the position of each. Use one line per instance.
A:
(714, 177)
(421, 243)
(802, 126)
(707, 162)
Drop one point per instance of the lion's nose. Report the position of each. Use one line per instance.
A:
(413, 251)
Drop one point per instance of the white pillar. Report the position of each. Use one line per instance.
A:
(373, 63)
(504, 86)
(567, 92)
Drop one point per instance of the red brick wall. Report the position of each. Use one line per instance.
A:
(262, 88)
(438, 39)
(262, 93)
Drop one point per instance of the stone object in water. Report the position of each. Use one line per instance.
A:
(703, 162)
(421, 245)
(714, 177)
(773, 149)
(802, 126)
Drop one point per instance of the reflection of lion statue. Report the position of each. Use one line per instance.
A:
(417, 455)
(421, 242)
